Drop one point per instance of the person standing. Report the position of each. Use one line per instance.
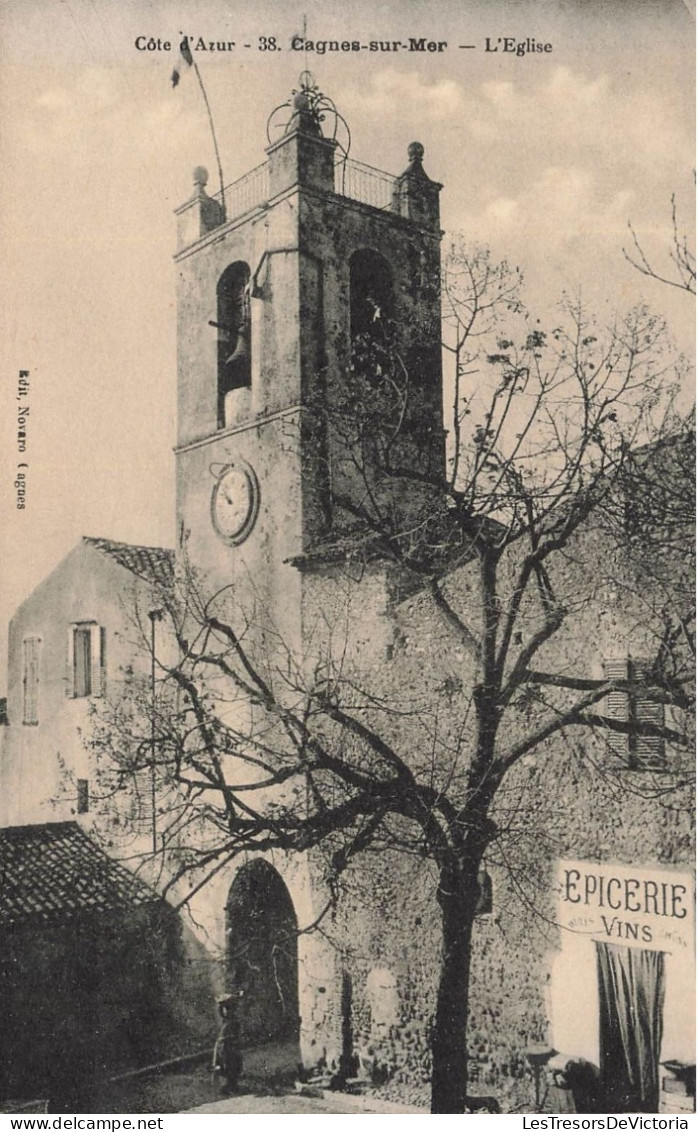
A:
(227, 1055)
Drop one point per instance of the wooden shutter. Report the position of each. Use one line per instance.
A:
(617, 705)
(70, 664)
(646, 751)
(101, 689)
(95, 659)
(30, 679)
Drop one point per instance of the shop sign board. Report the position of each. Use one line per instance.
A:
(634, 906)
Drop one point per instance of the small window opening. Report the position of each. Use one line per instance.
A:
(83, 796)
(484, 900)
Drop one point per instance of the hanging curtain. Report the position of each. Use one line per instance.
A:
(631, 1001)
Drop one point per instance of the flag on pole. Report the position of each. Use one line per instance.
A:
(184, 62)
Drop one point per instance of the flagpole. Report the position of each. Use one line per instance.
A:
(213, 134)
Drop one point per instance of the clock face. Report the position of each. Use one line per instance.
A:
(235, 502)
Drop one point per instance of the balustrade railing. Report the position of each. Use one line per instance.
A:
(352, 179)
(362, 182)
(247, 192)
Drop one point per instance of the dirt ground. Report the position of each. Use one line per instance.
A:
(293, 1104)
(268, 1070)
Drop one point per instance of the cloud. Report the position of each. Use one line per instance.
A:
(503, 213)
(406, 94)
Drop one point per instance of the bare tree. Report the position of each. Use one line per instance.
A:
(257, 746)
(682, 273)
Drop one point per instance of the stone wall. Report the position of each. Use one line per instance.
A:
(572, 797)
(87, 997)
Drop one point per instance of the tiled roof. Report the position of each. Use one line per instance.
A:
(152, 563)
(55, 871)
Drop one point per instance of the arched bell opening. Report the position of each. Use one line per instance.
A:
(371, 308)
(233, 325)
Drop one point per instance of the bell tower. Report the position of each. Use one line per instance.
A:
(305, 257)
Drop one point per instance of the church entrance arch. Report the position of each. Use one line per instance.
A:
(262, 954)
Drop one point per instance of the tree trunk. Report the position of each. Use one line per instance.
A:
(457, 896)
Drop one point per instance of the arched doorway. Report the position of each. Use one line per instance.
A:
(262, 959)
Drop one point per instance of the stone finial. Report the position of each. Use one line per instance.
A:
(301, 101)
(201, 213)
(415, 195)
(415, 153)
(305, 116)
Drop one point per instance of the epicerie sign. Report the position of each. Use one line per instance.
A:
(634, 906)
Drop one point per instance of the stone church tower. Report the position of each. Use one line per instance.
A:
(308, 254)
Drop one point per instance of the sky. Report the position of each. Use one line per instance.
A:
(544, 156)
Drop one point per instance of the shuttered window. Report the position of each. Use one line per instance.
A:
(617, 705)
(82, 662)
(87, 660)
(647, 752)
(635, 707)
(30, 680)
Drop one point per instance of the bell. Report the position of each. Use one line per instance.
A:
(241, 353)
